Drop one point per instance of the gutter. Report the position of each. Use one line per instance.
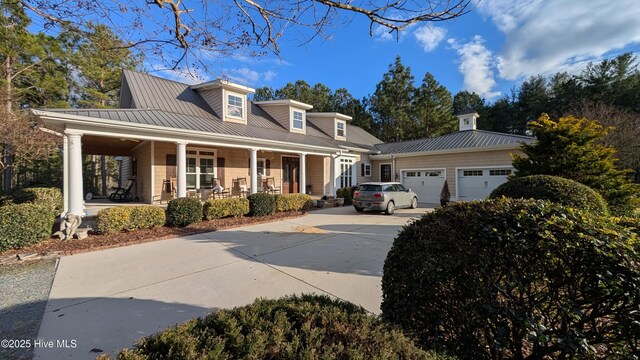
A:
(380, 156)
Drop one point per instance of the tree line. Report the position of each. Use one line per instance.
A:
(399, 109)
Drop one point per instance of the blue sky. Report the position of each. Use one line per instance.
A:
(488, 51)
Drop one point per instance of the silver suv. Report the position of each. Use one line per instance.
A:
(383, 196)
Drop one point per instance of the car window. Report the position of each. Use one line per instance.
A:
(388, 188)
(400, 187)
(370, 188)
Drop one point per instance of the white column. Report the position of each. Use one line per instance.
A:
(181, 162)
(303, 173)
(76, 192)
(65, 172)
(254, 171)
(332, 183)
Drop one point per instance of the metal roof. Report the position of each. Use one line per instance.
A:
(457, 140)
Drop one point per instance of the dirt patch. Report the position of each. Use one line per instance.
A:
(99, 242)
(310, 230)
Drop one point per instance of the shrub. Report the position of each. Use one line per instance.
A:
(347, 194)
(305, 327)
(261, 204)
(114, 219)
(221, 208)
(49, 197)
(514, 279)
(184, 211)
(147, 217)
(555, 189)
(293, 202)
(24, 224)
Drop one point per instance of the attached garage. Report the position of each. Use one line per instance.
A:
(426, 183)
(477, 183)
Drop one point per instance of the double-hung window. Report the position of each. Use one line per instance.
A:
(298, 120)
(234, 106)
(340, 129)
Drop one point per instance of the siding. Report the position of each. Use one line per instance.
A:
(142, 153)
(449, 162)
(326, 125)
(213, 97)
(280, 113)
(316, 175)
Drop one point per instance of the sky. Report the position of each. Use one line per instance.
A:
(488, 51)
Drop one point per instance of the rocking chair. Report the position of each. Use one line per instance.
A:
(123, 194)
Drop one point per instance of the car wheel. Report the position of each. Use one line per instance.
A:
(391, 208)
(414, 203)
(359, 209)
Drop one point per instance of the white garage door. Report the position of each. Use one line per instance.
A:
(427, 184)
(477, 184)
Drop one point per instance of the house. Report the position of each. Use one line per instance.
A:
(194, 134)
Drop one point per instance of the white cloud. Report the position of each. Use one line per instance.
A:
(429, 37)
(476, 66)
(543, 37)
(246, 76)
(190, 77)
(381, 33)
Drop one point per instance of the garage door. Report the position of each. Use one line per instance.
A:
(427, 184)
(477, 184)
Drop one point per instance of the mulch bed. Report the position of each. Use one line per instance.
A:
(100, 242)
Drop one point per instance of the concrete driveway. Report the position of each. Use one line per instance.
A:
(104, 301)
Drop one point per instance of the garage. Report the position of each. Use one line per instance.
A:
(427, 184)
(477, 183)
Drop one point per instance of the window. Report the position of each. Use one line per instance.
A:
(367, 170)
(298, 122)
(340, 125)
(499, 172)
(200, 169)
(346, 166)
(411, 174)
(400, 187)
(434, 173)
(466, 121)
(262, 166)
(234, 106)
(472, 173)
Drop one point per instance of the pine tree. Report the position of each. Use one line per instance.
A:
(432, 108)
(572, 148)
(391, 104)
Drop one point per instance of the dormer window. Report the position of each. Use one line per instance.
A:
(298, 120)
(235, 106)
(466, 121)
(340, 128)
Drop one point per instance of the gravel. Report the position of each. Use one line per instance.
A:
(24, 290)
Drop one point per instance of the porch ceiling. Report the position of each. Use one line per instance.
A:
(101, 145)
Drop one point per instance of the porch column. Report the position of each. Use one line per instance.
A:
(303, 173)
(181, 162)
(76, 192)
(65, 173)
(332, 183)
(254, 171)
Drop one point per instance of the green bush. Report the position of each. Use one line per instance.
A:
(114, 219)
(147, 217)
(24, 224)
(49, 197)
(347, 194)
(261, 204)
(305, 327)
(292, 202)
(221, 208)
(511, 278)
(184, 211)
(555, 189)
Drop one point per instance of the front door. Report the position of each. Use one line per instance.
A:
(290, 175)
(385, 172)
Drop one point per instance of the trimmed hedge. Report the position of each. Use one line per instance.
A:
(261, 204)
(347, 194)
(24, 224)
(512, 278)
(555, 189)
(305, 327)
(184, 211)
(221, 208)
(292, 202)
(147, 217)
(121, 218)
(49, 197)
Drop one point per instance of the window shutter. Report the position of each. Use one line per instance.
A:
(267, 164)
(362, 169)
(220, 174)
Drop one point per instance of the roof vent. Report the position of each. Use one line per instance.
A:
(467, 119)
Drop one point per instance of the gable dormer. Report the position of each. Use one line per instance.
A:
(291, 114)
(331, 123)
(467, 119)
(227, 99)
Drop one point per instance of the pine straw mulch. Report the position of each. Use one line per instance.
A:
(100, 242)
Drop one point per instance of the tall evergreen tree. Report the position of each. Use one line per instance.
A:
(433, 109)
(391, 104)
(533, 100)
